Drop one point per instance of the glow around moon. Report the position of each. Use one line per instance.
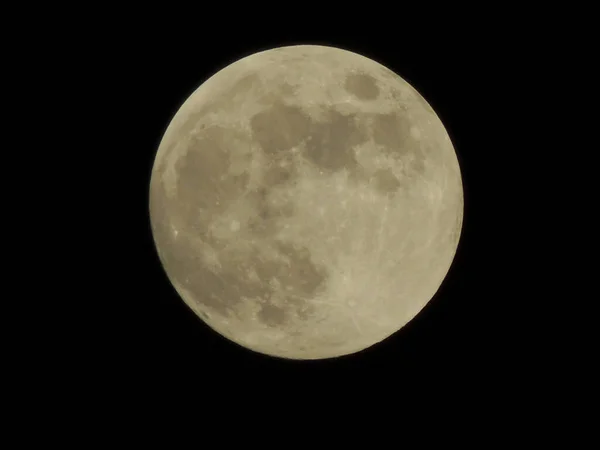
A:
(306, 202)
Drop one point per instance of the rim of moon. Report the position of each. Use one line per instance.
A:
(306, 202)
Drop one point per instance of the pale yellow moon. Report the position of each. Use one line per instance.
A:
(306, 202)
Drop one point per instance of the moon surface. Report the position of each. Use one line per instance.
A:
(306, 202)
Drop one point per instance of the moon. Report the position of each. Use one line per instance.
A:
(306, 202)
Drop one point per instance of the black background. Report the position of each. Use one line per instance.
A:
(466, 340)
(104, 339)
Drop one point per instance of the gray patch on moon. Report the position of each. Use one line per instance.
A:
(296, 276)
(300, 274)
(292, 278)
(385, 182)
(203, 181)
(242, 87)
(417, 163)
(392, 133)
(331, 142)
(205, 189)
(280, 127)
(362, 86)
(268, 212)
(271, 315)
(221, 289)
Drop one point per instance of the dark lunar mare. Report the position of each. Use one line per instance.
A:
(205, 190)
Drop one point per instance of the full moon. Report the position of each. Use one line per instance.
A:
(306, 202)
